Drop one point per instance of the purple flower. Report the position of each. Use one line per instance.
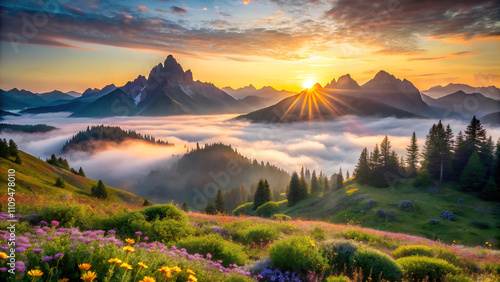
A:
(58, 256)
(46, 228)
(20, 267)
(111, 231)
(54, 223)
(20, 249)
(47, 259)
(43, 222)
(145, 238)
(138, 233)
(260, 276)
(36, 250)
(3, 269)
(209, 256)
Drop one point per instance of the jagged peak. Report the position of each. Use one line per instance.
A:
(317, 86)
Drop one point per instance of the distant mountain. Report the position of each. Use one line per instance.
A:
(94, 94)
(55, 96)
(71, 107)
(257, 102)
(134, 88)
(493, 119)
(37, 128)
(74, 94)
(116, 103)
(344, 82)
(201, 172)
(5, 113)
(441, 91)
(18, 99)
(267, 92)
(464, 105)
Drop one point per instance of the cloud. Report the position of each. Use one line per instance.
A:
(142, 9)
(178, 10)
(427, 74)
(447, 56)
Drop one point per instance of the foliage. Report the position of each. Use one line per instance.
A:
(362, 170)
(423, 179)
(376, 264)
(26, 128)
(338, 254)
(257, 234)
(217, 247)
(58, 162)
(267, 209)
(314, 182)
(210, 209)
(244, 209)
(472, 178)
(298, 254)
(338, 279)
(146, 202)
(419, 268)
(60, 182)
(296, 190)
(262, 194)
(99, 191)
(490, 191)
(359, 235)
(412, 155)
(280, 217)
(162, 212)
(185, 207)
(220, 202)
(412, 250)
(438, 151)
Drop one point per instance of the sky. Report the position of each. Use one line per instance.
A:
(73, 45)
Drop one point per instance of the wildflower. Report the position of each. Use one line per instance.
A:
(190, 271)
(111, 231)
(43, 222)
(126, 266)
(145, 238)
(486, 243)
(115, 260)
(3, 255)
(312, 245)
(129, 249)
(84, 267)
(88, 276)
(63, 280)
(209, 256)
(130, 241)
(3, 269)
(138, 233)
(192, 278)
(47, 259)
(176, 269)
(143, 265)
(147, 279)
(54, 223)
(58, 256)
(35, 273)
(164, 269)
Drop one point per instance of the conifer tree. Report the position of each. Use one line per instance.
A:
(326, 185)
(490, 191)
(412, 155)
(347, 175)
(362, 171)
(13, 148)
(340, 179)
(210, 209)
(472, 178)
(496, 172)
(60, 182)
(314, 182)
(146, 202)
(220, 202)
(262, 194)
(99, 191)
(81, 173)
(294, 193)
(4, 149)
(438, 151)
(18, 160)
(304, 189)
(184, 207)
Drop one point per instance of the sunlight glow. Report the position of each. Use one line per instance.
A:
(308, 83)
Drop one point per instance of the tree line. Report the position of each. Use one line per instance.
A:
(9, 149)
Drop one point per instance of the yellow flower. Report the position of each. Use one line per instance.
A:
(126, 266)
(147, 279)
(164, 269)
(190, 271)
(192, 278)
(130, 241)
(3, 255)
(115, 260)
(312, 245)
(129, 249)
(84, 266)
(486, 243)
(176, 269)
(88, 276)
(35, 273)
(142, 265)
(63, 280)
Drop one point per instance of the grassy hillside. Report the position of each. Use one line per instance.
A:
(41, 176)
(477, 221)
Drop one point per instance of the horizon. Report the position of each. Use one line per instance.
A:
(85, 44)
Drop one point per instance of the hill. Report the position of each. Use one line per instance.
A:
(6, 113)
(26, 128)
(441, 91)
(464, 105)
(116, 103)
(37, 177)
(198, 174)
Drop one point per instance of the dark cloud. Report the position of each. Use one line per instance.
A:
(177, 10)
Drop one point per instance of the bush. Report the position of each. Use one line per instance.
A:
(245, 209)
(448, 215)
(338, 279)
(419, 268)
(338, 254)
(359, 235)
(67, 216)
(168, 211)
(386, 215)
(267, 209)
(229, 253)
(297, 254)
(257, 234)
(318, 233)
(412, 250)
(457, 278)
(375, 264)
(280, 217)
(407, 205)
(423, 179)
(60, 182)
(446, 254)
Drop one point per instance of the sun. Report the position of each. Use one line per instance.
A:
(308, 83)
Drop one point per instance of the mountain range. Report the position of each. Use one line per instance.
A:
(169, 90)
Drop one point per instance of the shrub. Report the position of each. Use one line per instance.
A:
(406, 205)
(256, 234)
(280, 217)
(448, 215)
(423, 179)
(481, 225)
(386, 215)
(318, 233)
(243, 209)
(60, 182)
(376, 264)
(457, 278)
(67, 216)
(446, 254)
(338, 253)
(419, 268)
(338, 279)
(412, 250)
(359, 235)
(267, 209)
(168, 211)
(229, 253)
(297, 254)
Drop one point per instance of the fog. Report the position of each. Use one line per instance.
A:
(325, 146)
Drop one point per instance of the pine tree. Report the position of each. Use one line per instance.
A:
(496, 172)
(461, 156)
(472, 178)
(81, 173)
(60, 182)
(340, 180)
(412, 155)
(210, 209)
(146, 202)
(326, 185)
(184, 207)
(490, 191)
(362, 171)
(220, 202)
(438, 151)
(99, 191)
(13, 148)
(4, 149)
(18, 160)
(314, 182)
(262, 194)
(304, 189)
(294, 192)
